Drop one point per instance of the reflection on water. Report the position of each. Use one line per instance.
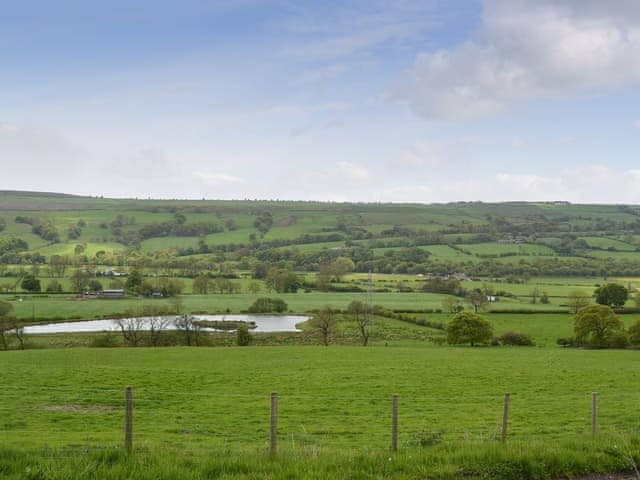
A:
(264, 323)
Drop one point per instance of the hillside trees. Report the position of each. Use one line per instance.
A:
(223, 285)
(334, 270)
(12, 244)
(54, 286)
(283, 281)
(134, 281)
(168, 287)
(58, 264)
(80, 280)
(263, 222)
(201, 284)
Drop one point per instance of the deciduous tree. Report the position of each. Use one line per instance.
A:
(30, 283)
(577, 300)
(468, 327)
(597, 326)
(362, 315)
(612, 294)
(324, 322)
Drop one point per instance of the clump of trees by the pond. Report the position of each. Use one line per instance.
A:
(326, 322)
(268, 305)
(11, 329)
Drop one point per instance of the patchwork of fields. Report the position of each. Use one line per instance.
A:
(62, 408)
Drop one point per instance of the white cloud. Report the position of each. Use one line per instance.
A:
(34, 157)
(528, 50)
(583, 184)
(636, 124)
(217, 178)
(301, 130)
(530, 183)
(352, 171)
(322, 74)
(355, 28)
(404, 193)
(634, 174)
(566, 140)
(517, 142)
(425, 153)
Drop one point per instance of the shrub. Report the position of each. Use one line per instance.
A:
(565, 342)
(515, 338)
(634, 334)
(54, 286)
(30, 283)
(619, 339)
(426, 438)
(243, 337)
(108, 340)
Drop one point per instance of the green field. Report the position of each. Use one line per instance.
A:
(334, 404)
(332, 397)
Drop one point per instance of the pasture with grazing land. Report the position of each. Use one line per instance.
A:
(63, 398)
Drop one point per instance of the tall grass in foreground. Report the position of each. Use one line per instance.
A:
(522, 460)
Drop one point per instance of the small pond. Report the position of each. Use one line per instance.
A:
(264, 323)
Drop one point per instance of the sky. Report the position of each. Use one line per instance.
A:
(375, 101)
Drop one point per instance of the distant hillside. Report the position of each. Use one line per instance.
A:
(512, 238)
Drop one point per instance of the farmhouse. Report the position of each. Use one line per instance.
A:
(518, 240)
(113, 273)
(117, 293)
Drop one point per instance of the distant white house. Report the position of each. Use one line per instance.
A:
(518, 240)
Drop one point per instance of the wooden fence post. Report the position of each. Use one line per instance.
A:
(594, 413)
(505, 417)
(273, 431)
(128, 420)
(394, 423)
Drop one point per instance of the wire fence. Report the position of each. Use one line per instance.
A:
(139, 418)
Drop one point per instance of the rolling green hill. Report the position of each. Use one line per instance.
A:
(550, 238)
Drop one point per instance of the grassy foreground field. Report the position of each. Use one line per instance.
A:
(209, 407)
